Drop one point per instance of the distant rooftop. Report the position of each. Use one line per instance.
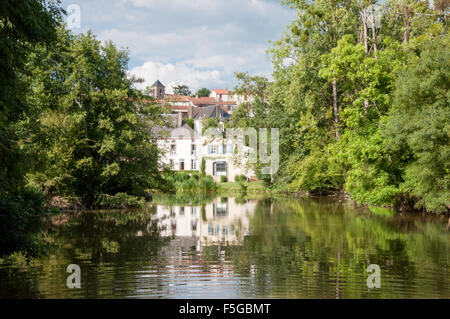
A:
(221, 91)
(158, 84)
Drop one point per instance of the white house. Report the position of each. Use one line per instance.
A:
(180, 145)
(184, 148)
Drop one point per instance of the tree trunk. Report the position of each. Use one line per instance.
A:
(374, 35)
(364, 22)
(335, 109)
(366, 45)
(406, 32)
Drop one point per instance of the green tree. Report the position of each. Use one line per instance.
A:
(23, 26)
(335, 71)
(419, 125)
(181, 90)
(93, 139)
(204, 92)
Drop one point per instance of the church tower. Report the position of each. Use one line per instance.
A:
(158, 90)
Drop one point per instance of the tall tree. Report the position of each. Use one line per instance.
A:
(204, 92)
(181, 90)
(23, 26)
(419, 125)
(94, 134)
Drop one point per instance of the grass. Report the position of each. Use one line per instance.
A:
(235, 187)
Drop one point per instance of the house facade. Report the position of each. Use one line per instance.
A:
(184, 148)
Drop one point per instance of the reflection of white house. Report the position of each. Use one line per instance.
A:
(223, 222)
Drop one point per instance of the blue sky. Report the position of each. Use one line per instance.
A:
(199, 43)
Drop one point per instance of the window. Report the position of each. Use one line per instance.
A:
(193, 164)
(181, 165)
(220, 209)
(214, 149)
(173, 149)
(171, 164)
(192, 149)
(220, 168)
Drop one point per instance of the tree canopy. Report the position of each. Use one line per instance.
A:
(203, 92)
(181, 89)
(361, 101)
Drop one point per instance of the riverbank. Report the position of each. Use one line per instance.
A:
(250, 189)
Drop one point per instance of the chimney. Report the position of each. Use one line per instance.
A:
(179, 119)
(191, 111)
(218, 111)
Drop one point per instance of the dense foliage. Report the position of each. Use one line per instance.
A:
(203, 92)
(93, 133)
(71, 123)
(181, 90)
(23, 26)
(189, 182)
(361, 98)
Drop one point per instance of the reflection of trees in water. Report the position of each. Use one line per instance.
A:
(307, 248)
(108, 246)
(118, 244)
(321, 249)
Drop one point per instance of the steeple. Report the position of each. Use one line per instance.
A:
(158, 90)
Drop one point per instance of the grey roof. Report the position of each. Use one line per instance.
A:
(171, 129)
(209, 112)
(158, 84)
(164, 131)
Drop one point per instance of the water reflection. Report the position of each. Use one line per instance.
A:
(222, 221)
(238, 248)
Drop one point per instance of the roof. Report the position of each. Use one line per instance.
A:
(225, 103)
(209, 112)
(176, 98)
(170, 130)
(220, 91)
(178, 107)
(203, 101)
(158, 84)
(164, 131)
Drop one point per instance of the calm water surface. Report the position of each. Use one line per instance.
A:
(238, 248)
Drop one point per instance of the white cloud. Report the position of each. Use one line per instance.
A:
(179, 73)
(198, 42)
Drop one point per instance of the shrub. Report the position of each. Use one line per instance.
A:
(206, 183)
(203, 167)
(185, 182)
(223, 179)
(21, 223)
(120, 200)
(243, 187)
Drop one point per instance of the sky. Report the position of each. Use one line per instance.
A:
(199, 43)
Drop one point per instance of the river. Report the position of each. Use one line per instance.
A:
(229, 247)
